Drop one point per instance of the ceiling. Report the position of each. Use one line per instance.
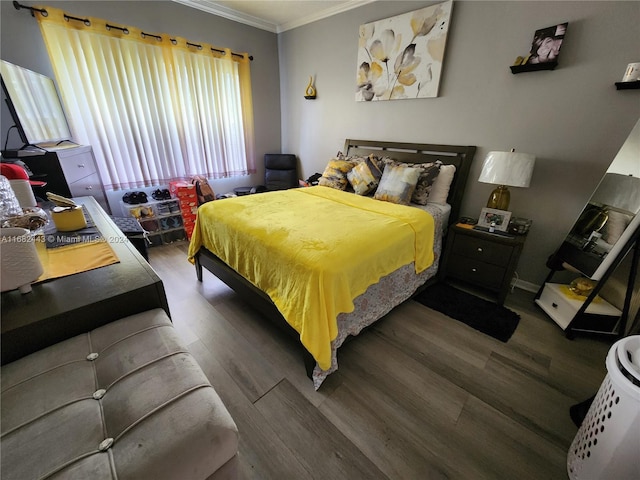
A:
(274, 16)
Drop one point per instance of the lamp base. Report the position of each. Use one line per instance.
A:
(499, 198)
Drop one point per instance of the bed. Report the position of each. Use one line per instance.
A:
(326, 263)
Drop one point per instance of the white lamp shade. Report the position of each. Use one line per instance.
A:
(619, 191)
(513, 169)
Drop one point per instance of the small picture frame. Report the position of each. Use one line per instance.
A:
(492, 218)
(546, 44)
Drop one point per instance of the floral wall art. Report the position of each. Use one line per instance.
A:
(401, 57)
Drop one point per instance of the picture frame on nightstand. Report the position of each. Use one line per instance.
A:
(491, 217)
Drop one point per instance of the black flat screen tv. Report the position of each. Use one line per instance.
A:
(34, 105)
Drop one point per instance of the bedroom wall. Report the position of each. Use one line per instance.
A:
(21, 43)
(573, 119)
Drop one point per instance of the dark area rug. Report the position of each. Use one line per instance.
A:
(486, 317)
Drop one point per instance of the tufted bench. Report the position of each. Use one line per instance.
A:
(124, 401)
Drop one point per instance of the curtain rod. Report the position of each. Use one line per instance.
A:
(125, 30)
(17, 6)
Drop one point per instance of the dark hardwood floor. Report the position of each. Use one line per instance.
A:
(417, 396)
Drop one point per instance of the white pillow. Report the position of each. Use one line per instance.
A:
(615, 226)
(440, 189)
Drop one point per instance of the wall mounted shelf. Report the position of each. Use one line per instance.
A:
(628, 85)
(533, 67)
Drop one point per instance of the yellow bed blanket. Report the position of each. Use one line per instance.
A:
(314, 250)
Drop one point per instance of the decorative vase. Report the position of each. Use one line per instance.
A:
(592, 220)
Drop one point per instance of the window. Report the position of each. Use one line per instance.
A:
(153, 108)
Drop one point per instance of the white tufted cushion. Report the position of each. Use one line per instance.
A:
(142, 408)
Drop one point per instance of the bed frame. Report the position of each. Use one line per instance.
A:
(460, 156)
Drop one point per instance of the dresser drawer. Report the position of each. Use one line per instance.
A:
(482, 250)
(89, 186)
(76, 167)
(476, 272)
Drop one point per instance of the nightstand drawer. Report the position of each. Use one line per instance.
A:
(482, 250)
(479, 273)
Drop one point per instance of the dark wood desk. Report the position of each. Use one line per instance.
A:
(65, 307)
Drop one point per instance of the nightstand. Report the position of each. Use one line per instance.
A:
(483, 259)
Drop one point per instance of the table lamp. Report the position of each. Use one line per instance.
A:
(506, 169)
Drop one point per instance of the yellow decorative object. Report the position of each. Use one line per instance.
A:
(310, 92)
(582, 286)
(566, 291)
(68, 219)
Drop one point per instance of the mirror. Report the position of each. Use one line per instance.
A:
(610, 217)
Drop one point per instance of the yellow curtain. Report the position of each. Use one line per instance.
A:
(154, 108)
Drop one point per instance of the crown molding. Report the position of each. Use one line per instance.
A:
(329, 12)
(210, 6)
(221, 11)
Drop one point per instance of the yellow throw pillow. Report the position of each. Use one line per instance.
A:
(335, 174)
(397, 184)
(364, 177)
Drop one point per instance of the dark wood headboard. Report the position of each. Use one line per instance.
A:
(460, 156)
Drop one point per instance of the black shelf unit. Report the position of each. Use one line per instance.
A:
(581, 317)
(533, 67)
(628, 85)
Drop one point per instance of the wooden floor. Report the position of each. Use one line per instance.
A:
(416, 396)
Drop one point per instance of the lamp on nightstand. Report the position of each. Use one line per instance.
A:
(506, 169)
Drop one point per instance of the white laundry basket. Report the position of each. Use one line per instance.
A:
(607, 445)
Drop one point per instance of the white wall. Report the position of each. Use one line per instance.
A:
(573, 119)
(627, 161)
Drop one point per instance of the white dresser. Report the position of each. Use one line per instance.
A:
(69, 171)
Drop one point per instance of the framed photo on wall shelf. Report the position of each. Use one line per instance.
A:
(546, 44)
(498, 219)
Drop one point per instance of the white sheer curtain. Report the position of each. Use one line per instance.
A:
(154, 109)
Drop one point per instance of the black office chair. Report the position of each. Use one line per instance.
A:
(280, 173)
